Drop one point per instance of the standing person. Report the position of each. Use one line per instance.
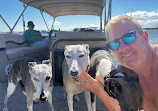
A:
(34, 37)
(130, 46)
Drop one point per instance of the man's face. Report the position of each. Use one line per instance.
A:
(129, 55)
(31, 27)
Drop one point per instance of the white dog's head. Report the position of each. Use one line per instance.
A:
(41, 75)
(77, 58)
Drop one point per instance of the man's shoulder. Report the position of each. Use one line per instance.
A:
(155, 48)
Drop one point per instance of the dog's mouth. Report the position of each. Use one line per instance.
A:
(75, 77)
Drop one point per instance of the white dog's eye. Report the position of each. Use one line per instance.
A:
(67, 56)
(47, 78)
(82, 55)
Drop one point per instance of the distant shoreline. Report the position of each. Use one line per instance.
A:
(151, 28)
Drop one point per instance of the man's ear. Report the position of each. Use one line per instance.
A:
(31, 64)
(145, 35)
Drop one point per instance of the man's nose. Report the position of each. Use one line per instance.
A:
(123, 45)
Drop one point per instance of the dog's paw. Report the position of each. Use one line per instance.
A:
(5, 109)
(76, 98)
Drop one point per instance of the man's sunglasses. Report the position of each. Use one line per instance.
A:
(128, 38)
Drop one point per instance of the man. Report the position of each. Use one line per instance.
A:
(130, 46)
(33, 37)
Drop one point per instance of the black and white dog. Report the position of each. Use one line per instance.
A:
(126, 89)
(35, 80)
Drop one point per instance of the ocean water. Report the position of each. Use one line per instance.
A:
(153, 36)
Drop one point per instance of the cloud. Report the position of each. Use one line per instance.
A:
(147, 19)
(56, 22)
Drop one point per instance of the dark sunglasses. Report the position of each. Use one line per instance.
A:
(128, 38)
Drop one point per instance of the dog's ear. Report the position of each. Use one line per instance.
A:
(66, 46)
(46, 62)
(87, 47)
(133, 77)
(31, 64)
(113, 87)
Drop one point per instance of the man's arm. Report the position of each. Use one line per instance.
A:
(97, 88)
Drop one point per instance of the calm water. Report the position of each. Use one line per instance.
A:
(153, 36)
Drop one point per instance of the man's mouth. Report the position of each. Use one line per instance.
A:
(127, 55)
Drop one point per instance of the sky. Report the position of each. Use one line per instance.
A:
(146, 11)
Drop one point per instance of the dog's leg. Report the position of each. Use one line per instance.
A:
(88, 100)
(94, 104)
(64, 92)
(29, 103)
(50, 102)
(70, 101)
(76, 98)
(11, 88)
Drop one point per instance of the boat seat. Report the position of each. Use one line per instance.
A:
(17, 53)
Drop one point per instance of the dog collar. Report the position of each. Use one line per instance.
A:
(115, 74)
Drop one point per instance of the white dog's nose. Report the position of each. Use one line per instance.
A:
(74, 72)
(43, 98)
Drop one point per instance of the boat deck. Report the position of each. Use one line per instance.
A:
(17, 102)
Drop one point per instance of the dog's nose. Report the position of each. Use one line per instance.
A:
(74, 73)
(43, 98)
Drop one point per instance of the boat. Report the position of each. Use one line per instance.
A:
(57, 39)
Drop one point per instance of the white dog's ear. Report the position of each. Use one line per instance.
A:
(87, 47)
(46, 62)
(66, 46)
(31, 64)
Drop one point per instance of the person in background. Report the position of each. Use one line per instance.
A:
(130, 46)
(34, 37)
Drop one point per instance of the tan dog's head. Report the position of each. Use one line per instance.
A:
(77, 59)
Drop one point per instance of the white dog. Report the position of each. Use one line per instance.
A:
(35, 79)
(76, 61)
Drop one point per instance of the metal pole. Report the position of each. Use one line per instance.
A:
(104, 14)
(44, 20)
(52, 28)
(109, 11)
(19, 18)
(23, 20)
(5, 23)
(101, 23)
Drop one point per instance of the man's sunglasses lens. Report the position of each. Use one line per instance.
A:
(129, 38)
(114, 45)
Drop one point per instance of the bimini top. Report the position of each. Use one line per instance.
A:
(68, 7)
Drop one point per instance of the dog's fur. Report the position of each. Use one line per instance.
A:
(76, 61)
(35, 79)
(130, 95)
